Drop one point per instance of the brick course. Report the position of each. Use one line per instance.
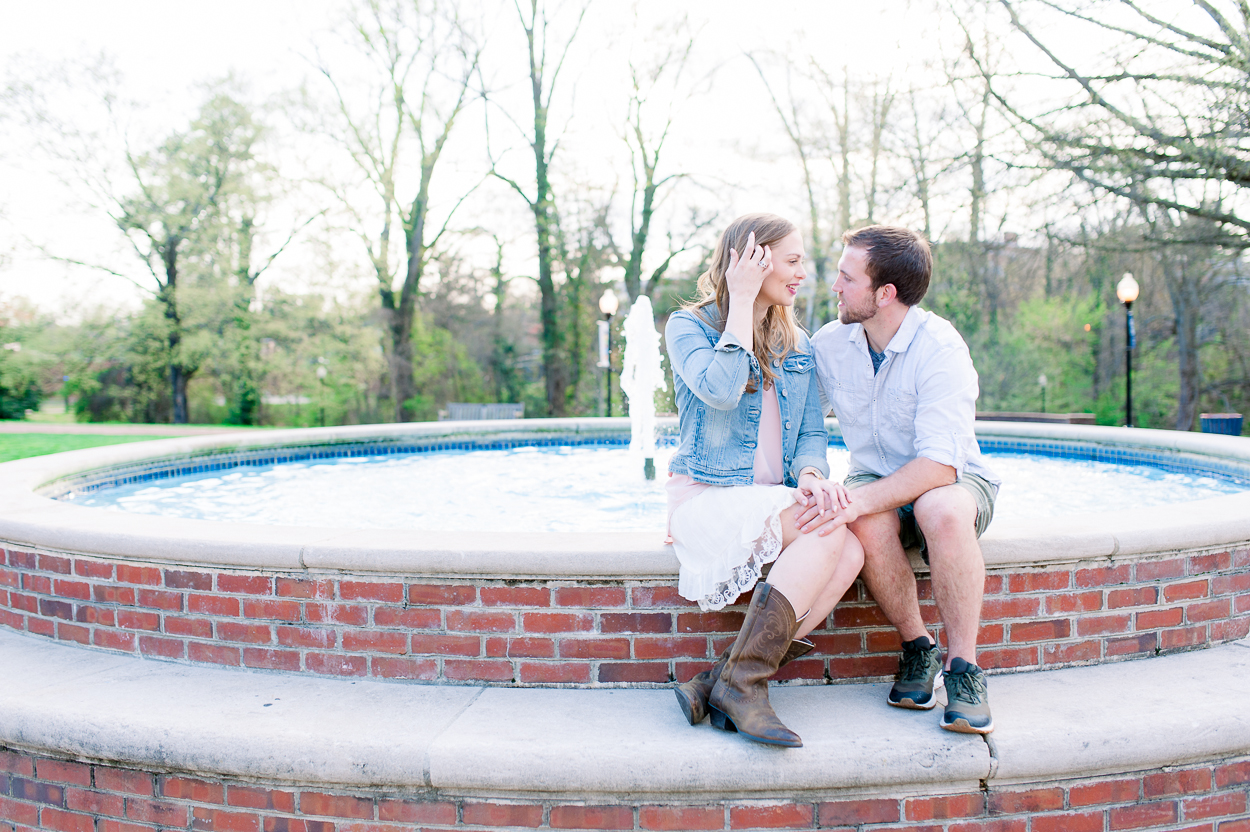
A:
(37, 792)
(592, 633)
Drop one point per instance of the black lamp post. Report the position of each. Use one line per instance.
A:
(1127, 291)
(608, 304)
(321, 379)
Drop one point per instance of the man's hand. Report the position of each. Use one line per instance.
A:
(812, 520)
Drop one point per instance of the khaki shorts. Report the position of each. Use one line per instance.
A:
(909, 533)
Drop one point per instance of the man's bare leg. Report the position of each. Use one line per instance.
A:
(889, 577)
(888, 573)
(947, 516)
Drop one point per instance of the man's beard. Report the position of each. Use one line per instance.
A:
(857, 314)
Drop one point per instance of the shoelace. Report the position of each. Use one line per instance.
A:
(966, 687)
(914, 663)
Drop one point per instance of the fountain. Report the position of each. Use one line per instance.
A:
(642, 376)
(190, 674)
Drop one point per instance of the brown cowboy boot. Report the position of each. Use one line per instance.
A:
(739, 700)
(692, 696)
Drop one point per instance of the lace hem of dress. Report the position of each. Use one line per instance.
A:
(763, 552)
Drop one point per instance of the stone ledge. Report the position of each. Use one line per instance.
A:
(161, 717)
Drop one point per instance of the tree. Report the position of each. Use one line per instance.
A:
(1196, 274)
(505, 380)
(237, 267)
(179, 189)
(656, 84)
(19, 384)
(584, 243)
(166, 201)
(805, 146)
(919, 148)
(423, 61)
(545, 62)
(1158, 118)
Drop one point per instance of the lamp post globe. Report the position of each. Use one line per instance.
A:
(608, 304)
(1127, 291)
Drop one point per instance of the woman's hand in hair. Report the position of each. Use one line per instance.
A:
(745, 274)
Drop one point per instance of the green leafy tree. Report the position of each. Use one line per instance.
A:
(19, 385)
(177, 191)
(117, 366)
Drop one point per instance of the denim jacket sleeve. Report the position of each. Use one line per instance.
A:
(812, 448)
(716, 374)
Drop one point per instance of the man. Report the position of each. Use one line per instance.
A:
(903, 387)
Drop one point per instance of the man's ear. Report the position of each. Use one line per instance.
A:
(888, 293)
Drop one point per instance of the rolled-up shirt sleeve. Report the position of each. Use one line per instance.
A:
(716, 374)
(946, 396)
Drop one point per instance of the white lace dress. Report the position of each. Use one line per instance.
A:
(725, 535)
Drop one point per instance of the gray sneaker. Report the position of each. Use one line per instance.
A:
(967, 700)
(919, 670)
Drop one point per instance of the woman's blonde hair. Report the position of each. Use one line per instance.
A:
(778, 333)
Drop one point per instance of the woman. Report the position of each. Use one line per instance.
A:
(753, 448)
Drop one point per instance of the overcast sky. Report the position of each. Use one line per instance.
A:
(167, 49)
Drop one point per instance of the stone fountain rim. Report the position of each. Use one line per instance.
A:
(28, 519)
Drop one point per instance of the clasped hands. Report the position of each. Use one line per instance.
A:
(824, 505)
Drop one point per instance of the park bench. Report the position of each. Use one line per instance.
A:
(1051, 418)
(461, 411)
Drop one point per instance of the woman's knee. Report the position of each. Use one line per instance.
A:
(842, 547)
(852, 553)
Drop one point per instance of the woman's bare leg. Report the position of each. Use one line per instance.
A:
(849, 565)
(812, 572)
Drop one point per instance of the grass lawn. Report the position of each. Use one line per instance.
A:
(21, 445)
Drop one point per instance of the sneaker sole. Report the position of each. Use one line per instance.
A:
(961, 726)
(913, 705)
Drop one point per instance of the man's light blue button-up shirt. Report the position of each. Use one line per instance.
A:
(921, 403)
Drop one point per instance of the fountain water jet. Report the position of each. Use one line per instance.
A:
(642, 376)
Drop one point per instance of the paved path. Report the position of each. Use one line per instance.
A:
(15, 426)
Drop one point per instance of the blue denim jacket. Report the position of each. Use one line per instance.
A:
(720, 421)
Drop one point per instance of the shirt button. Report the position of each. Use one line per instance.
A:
(787, 425)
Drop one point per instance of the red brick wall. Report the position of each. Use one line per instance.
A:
(589, 634)
(41, 793)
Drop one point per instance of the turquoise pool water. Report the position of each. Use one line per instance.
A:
(588, 488)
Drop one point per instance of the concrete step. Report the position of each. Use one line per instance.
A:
(159, 717)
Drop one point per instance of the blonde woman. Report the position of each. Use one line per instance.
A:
(752, 450)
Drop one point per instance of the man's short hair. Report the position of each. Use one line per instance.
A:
(895, 255)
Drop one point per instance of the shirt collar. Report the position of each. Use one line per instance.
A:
(906, 331)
